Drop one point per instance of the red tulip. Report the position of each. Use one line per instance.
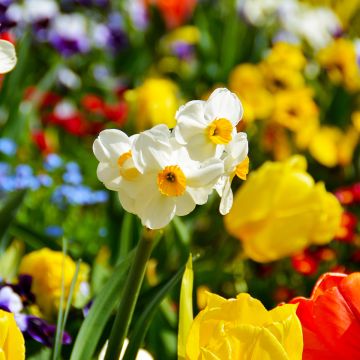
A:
(331, 318)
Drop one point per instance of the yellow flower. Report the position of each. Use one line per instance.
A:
(286, 55)
(243, 329)
(45, 267)
(330, 146)
(12, 346)
(247, 81)
(293, 109)
(155, 102)
(280, 210)
(340, 62)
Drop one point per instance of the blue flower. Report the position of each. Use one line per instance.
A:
(53, 162)
(8, 146)
(54, 231)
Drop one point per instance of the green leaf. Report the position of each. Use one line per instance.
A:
(8, 211)
(32, 238)
(137, 335)
(100, 311)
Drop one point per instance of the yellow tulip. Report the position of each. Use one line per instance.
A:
(155, 102)
(280, 210)
(12, 346)
(243, 329)
(45, 267)
(330, 146)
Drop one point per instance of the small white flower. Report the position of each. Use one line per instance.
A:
(10, 299)
(235, 162)
(141, 355)
(205, 127)
(116, 168)
(171, 182)
(7, 56)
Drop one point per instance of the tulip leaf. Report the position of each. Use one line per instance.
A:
(137, 335)
(186, 307)
(100, 311)
(8, 210)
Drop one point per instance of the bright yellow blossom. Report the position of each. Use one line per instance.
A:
(243, 329)
(293, 109)
(278, 78)
(155, 102)
(330, 146)
(339, 60)
(45, 266)
(286, 55)
(247, 81)
(12, 346)
(280, 210)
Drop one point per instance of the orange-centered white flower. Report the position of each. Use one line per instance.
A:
(171, 182)
(116, 168)
(205, 127)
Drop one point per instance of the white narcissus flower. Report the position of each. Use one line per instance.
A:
(171, 182)
(116, 169)
(236, 162)
(7, 56)
(141, 355)
(205, 127)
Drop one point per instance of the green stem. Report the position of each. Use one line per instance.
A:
(129, 296)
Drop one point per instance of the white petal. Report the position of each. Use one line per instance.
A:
(151, 148)
(158, 212)
(7, 56)
(223, 104)
(201, 148)
(100, 152)
(127, 202)
(200, 195)
(226, 199)
(207, 175)
(190, 121)
(109, 175)
(115, 141)
(185, 204)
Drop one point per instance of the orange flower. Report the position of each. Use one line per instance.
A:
(331, 318)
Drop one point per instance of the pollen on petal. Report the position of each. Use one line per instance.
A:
(220, 131)
(242, 169)
(171, 181)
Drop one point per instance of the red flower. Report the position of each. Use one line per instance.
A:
(93, 104)
(175, 12)
(331, 318)
(41, 142)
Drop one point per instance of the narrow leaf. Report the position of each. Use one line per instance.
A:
(100, 311)
(137, 335)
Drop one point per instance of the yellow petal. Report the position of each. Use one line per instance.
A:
(186, 308)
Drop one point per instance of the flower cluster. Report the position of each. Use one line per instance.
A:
(161, 173)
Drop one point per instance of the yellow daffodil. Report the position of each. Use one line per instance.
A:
(205, 127)
(243, 329)
(12, 345)
(293, 109)
(7, 56)
(330, 146)
(45, 267)
(340, 61)
(247, 82)
(280, 211)
(155, 102)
